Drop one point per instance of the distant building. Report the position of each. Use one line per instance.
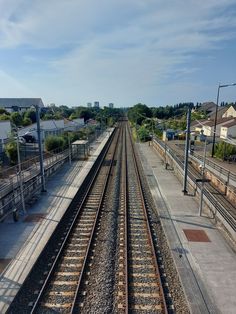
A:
(168, 135)
(20, 104)
(89, 104)
(5, 129)
(96, 104)
(228, 130)
(230, 112)
(111, 105)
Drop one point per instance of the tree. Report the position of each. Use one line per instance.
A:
(4, 117)
(26, 121)
(16, 118)
(55, 142)
(31, 114)
(143, 134)
(11, 151)
(138, 113)
(4, 111)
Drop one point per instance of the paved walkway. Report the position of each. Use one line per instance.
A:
(207, 265)
(22, 242)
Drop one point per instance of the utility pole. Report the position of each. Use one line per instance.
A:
(186, 151)
(20, 172)
(43, 189)
(69, 148)
(203, 179)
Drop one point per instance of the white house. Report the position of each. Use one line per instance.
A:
(230, 112)
(20, 104)
(53, 127)
(73, 125)
(5, 129)
(208, 128)
(228, 130)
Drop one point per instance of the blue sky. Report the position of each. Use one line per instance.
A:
(157, 52)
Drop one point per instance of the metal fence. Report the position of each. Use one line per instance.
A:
(229, 218)
(30, 176)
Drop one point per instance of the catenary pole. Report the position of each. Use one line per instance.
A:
(186, 151)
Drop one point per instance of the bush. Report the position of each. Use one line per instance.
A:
(143, 134)
(55, 142)
(11, 151)
(26, 121)
(224, 150)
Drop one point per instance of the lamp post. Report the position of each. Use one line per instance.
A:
(43, 189)
(203, 178)
(215, 122)
(20, 172)
(186, 152)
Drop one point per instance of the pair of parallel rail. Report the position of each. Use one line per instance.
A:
(139, 288)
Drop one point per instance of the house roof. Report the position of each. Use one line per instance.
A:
(20, 102)
(229, 124)
(208, 106)
(199, 123)
(220, 111)
(219, 121)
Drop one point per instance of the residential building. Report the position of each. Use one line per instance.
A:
(197, 125)
(89, 104)
(5, 129)
(220, 112)
(208, 127)
(20, 104)
(111, 105)
(228, 130)
(96, 104)
(230, 112)
(53, 127)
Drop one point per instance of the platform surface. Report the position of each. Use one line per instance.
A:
(22, 242)
(204, 259)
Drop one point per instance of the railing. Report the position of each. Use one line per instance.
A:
(214, 202)
(230, 175)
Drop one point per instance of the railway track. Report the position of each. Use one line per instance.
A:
(139, 281)
(106, 257)
(62, 284)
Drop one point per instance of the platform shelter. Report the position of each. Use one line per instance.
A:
(80, 149)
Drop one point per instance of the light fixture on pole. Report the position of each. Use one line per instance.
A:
(43, 189)
(215, 122)
(20, 171)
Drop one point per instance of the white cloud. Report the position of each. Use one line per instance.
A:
(115, 47)
(11, 87)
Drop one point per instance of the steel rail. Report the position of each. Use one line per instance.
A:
(126, 225)
(73, 305)
(150, 238)
(56, 260)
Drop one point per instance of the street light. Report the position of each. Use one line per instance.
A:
(43, 189)
(217, 102)
(20, 170)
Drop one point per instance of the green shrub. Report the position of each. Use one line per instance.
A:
(55, 142)
(11, 151)
(143, 134)
(224, 150)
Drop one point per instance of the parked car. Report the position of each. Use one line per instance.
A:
(21, 140)
(29, 138)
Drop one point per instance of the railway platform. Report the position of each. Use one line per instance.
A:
(206, 262)
(22, 242)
